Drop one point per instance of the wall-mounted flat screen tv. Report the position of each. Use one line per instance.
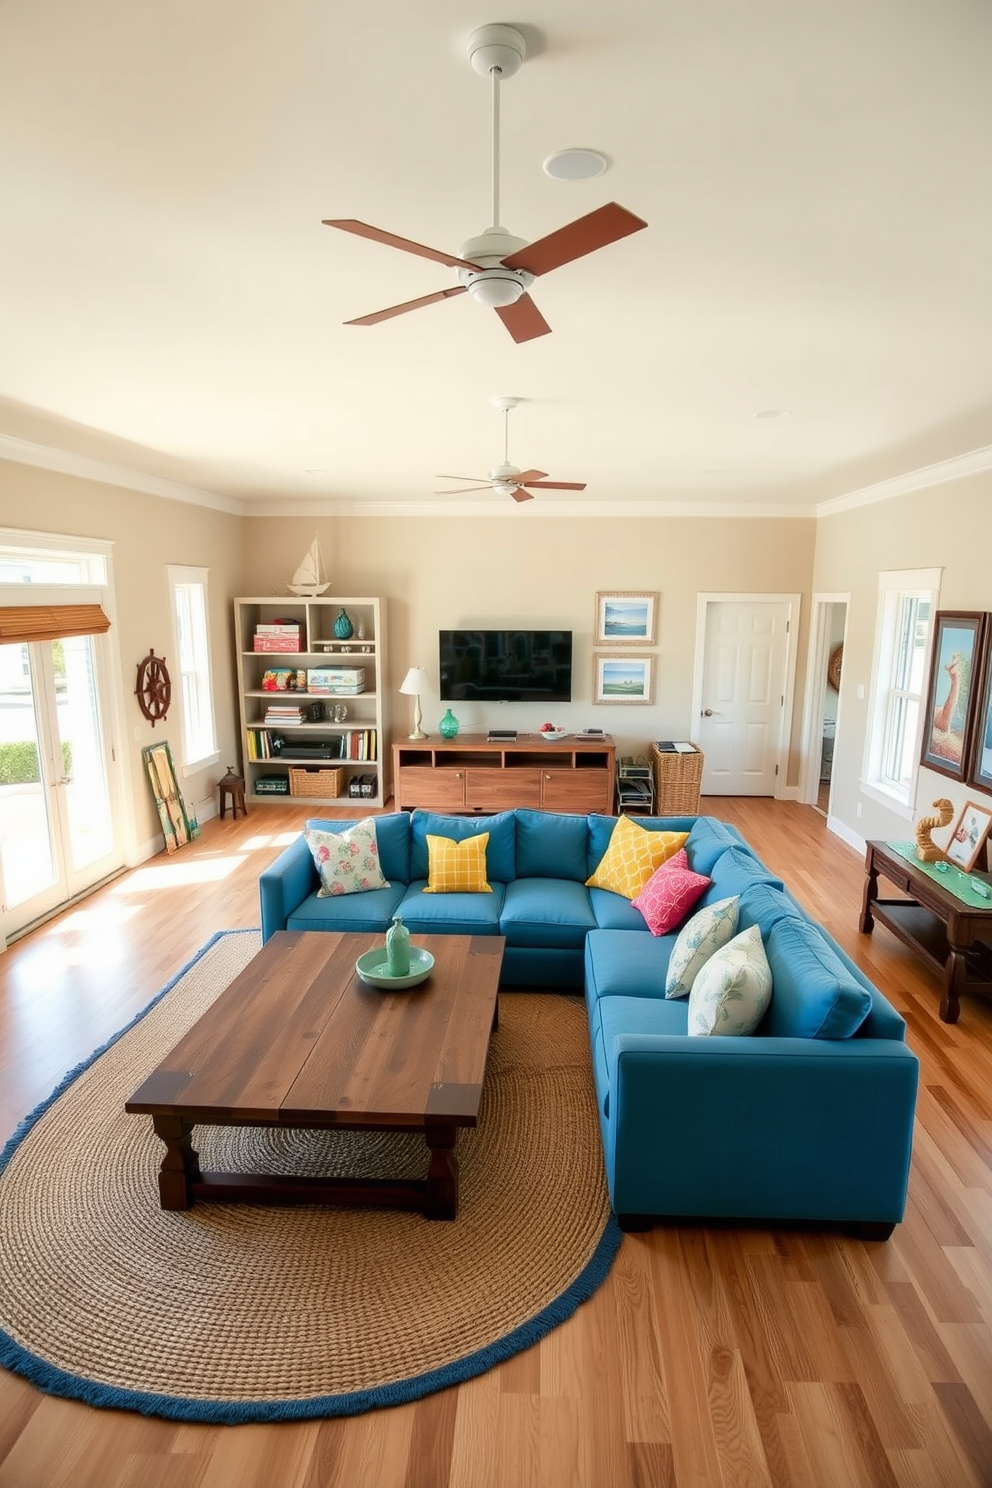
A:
(506, 666)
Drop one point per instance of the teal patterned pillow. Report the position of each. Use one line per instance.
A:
(733, 990)
(705, 933)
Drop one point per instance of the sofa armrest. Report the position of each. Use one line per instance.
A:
(760, 1128)
(284, 885)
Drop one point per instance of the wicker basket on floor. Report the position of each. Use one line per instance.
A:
(676, 782)
(315, 782)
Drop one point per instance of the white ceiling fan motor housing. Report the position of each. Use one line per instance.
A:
(492, 284)
(496, 46)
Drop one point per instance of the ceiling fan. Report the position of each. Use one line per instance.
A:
(496, 268)
(507, 479)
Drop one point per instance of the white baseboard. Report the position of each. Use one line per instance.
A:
(835, 825)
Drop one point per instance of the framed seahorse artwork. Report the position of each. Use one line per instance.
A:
(950, 707)
(981, 745)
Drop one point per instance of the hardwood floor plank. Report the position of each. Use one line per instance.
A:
(711, 1356)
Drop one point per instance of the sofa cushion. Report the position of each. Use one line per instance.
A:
(347, 862)
(632, 856)
(734, 871)
(762, 904)
(457, 867)
(625, 963)
(669, 894)
(708, 930)
(546, 912)
(551, 844)
(392, 835)
(500, 852)
(356, 913)
(708, 839)
(732, 990)
(614, 912)
(451, 914)
(814, 996)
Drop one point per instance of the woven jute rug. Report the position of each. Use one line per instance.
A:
(232, 1312)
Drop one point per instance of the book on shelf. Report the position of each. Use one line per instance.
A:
(277, 643)
(278, 627)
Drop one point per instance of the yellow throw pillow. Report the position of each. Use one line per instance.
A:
(457, 867)
(633, 856)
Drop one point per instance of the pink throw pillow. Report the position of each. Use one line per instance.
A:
(670, 893)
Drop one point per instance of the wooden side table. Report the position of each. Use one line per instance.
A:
(945, 931)
(232, 788)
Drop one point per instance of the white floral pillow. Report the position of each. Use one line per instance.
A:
(733, 990)
(706, 932)
(348, 862)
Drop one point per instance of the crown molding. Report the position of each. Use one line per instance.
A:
(975, 462)
(24, 452)
(503, 507)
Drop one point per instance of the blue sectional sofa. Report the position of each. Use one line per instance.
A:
(809, 1119)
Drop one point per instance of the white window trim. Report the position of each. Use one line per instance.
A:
(899, 581)
(177, 575)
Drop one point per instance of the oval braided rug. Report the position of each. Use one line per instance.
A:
(248, 1313)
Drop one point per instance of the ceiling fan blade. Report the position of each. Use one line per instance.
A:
(528, 477)
(363, 230)
(460, 477)
(584, 235)
(543, 485)
(523, 320)
(461, 490)
(431, 299)
(519, 494)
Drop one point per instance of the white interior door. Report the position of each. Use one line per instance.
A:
(744, 689)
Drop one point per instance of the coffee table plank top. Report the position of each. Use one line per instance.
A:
(298, 1038)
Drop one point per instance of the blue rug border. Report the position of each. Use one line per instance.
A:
(54, 1381)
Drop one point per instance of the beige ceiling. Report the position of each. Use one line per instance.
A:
(815, 175)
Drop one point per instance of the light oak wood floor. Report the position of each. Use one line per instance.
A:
(711, 1358)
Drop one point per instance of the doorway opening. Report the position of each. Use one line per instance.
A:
(822, 706)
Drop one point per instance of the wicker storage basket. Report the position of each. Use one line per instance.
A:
(315, 782)
(676, 782)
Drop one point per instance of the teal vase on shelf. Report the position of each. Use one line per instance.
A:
(448, 727)
(343, 628)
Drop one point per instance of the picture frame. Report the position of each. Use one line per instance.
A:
(968, 838)
(622, 679)
(980, 772)
(949, 714)
(625, 617)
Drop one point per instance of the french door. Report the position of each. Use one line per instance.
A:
(59, 831)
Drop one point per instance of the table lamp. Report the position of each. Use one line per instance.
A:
(414, 683)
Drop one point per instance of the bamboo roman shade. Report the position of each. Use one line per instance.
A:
(20, 623)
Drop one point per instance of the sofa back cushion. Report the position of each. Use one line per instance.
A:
(551, 845)
(500, 850)
(392, 835)
(708, 839)
(813, 993)
(735, 870)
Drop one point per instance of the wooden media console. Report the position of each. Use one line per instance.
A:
(469, 774)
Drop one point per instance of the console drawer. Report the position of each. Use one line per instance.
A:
(499, 790)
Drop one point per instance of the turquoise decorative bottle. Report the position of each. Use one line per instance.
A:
(398, 948)
(448, 727)
(343, 628)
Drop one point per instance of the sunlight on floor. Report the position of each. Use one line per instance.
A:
(174, 875)
(102, 916)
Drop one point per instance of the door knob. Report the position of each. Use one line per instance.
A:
(707, 712)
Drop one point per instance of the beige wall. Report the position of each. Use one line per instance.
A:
(544, 572)
(148, 533)
(948, 527)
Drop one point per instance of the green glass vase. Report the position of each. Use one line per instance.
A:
(448, 727)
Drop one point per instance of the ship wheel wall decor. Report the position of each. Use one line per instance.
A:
(154, 689)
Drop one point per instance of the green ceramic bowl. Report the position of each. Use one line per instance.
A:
(373, 968)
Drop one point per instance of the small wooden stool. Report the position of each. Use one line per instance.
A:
(231, 786)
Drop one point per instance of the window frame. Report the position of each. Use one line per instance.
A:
(885, 737)
(199, 752)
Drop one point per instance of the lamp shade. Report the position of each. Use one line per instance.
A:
(415, 682)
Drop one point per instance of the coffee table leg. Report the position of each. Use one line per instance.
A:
(180, 1165)
(442, 1175)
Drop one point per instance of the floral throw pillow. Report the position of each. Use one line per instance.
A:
(706, 932)
(732, 991)
(348, 862)
(670, 893)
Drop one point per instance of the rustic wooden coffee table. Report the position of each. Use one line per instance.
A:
(298, 1040)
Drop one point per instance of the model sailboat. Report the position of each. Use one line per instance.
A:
(310, 578)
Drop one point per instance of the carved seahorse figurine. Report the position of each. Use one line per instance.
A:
(926, 849)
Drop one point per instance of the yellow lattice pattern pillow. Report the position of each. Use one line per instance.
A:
(633, 856)
(457, 867)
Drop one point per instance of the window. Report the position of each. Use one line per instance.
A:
(907, 599)
(193, 686)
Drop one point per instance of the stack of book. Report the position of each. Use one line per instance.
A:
(278, 635)
(291, 714)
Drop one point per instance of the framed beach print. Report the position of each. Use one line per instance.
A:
(622, 679)
(968, 837)
(957, 650)
(626, 619)
(981, 747)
